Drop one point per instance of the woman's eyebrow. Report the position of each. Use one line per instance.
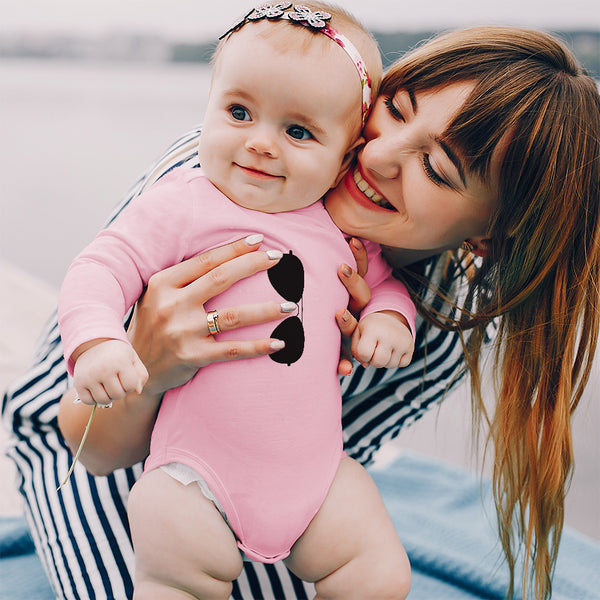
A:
(413, 101)
(450, 153)
(453, 158)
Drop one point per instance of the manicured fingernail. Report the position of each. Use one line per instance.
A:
(276, 344)
(274, 254)
(356, 243)
(77, 400)
(346, 270)
(346, 316)
(287, 307)
(255, 238)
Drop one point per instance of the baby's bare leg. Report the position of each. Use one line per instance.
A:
(350, 549)
(183, 547)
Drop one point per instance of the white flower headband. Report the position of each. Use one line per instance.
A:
(316, 21)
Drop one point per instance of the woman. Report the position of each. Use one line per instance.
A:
(513, 168)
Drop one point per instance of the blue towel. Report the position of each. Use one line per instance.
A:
(21, 574)
(445, 518)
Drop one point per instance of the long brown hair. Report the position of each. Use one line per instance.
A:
(541, 276)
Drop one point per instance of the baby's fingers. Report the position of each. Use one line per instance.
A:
(90, 391)
(382, 357)
(95, 394)
(390, 358)
(362, 348)
(405, 358)
(130, 380)
(84, 396)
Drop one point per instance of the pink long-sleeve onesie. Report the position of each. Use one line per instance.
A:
(265, 436)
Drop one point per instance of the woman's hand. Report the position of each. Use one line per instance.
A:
(360, 294)
(169, 328)
(169, 331)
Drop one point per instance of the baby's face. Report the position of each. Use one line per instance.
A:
(282, 117)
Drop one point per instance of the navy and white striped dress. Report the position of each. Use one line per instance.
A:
(81, 534)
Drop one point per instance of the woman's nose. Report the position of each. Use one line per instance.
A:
(262, 142)
(382, 158)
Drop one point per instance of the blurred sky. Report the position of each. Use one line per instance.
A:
(202, 20)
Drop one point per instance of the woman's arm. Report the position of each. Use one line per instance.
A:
(168, 331)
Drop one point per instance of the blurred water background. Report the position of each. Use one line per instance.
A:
(74, 136)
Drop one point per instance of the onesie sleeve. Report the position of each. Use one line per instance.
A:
(387, 293)
(109, 275)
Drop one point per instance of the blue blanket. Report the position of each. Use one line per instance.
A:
(445, 518)
(21, 573)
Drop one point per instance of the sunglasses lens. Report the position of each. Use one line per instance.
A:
(292, 333)
(287, 277)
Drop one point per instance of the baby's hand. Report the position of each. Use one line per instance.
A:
(108, 370)
(383, 340)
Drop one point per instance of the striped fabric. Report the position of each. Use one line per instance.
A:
(81, 534)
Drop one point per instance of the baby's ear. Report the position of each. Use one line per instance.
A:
(348, 158)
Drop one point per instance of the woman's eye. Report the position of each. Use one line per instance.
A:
(430, 172)
(239, 113)
(299, 133)
(393, 109)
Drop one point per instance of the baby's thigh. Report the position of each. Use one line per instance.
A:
(179, 537)
(351, 548)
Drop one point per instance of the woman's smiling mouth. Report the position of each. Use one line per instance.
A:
(368, 192)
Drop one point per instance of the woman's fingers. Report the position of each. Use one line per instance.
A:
(235, 350)
(251, 314)
(360, 294)
(359, 291)
(189, 270)
(234, 318)
(347, 324)
(360, 256)
(225, 275)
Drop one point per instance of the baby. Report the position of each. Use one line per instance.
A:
(260, 440)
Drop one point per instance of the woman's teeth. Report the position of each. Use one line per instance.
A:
(369, 192)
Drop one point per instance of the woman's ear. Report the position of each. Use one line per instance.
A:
(347, 160)
(479, 245)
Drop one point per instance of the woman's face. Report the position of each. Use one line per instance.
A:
(409, 188)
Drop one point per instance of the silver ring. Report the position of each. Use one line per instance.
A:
(212, 318)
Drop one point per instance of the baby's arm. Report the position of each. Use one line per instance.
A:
(107, 370)
(108, 277)
(384, 337)
(383, 340)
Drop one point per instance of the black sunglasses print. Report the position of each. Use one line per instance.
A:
(287, 277)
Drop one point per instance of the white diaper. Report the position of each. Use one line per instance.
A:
(187, 475)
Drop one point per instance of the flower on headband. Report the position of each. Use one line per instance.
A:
(313, 19)
(271, 11)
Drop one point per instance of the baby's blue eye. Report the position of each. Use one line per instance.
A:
(239, 113)
(299, 133)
